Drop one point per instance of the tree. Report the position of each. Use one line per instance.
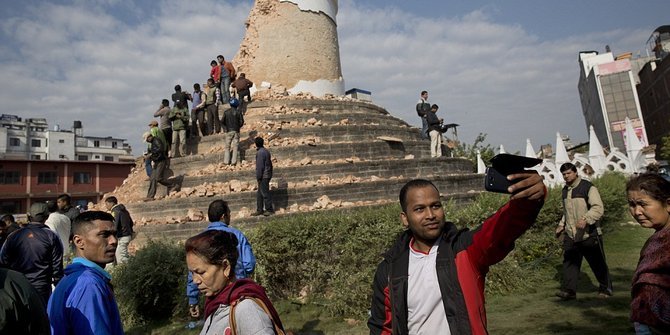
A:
(470, 151)
(664, 151)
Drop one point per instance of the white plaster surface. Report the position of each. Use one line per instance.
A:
(319, 87)
(328, 7)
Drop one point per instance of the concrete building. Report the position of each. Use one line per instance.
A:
(608, 96)
(654, 87)
(24, 181)
(31, 139)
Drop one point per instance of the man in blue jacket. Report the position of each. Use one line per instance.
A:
(83, 302)
(219, 216)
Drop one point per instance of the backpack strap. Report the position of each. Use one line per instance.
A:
(259, 302)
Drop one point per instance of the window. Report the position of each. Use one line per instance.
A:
(61, 141)
(82, 158)
(35, 143)
(14, 142)
(96, 143)
(109, 158)
(82, 178)
(10, 177)
(114, 145)
(35, 157)
(47, 177)
(97, 157)
(61, 157)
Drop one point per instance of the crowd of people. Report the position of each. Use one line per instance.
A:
(166, 137)
(431, 256)
(202, 118)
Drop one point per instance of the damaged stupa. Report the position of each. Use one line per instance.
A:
(293, 44)
(329, 151)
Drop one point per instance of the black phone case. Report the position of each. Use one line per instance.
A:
(502, 166)
(496, 181)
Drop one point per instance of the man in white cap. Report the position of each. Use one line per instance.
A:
(36, 251)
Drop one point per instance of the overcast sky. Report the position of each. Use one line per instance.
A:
(505, 68)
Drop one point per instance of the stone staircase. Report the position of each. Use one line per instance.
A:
(327, 154)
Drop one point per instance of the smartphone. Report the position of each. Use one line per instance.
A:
(496, 181)
(502, 166)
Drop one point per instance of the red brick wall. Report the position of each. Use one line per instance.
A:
(104, 177)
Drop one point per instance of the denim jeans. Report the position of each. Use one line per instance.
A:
(225, 88)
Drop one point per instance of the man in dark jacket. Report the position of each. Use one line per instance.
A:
(232, 122)
(124, 228)
(435, 131)
(423, 108)
(263, 176)
(242, 86)
(21, 308)
(158, 157)
(64, 202)
(432, 278)
(7, 226)
(36, 251)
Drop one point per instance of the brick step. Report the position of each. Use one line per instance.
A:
(369, 151)
(326, 117)
(413, 168)
(322, 106)
(284, 198)
(324, 134)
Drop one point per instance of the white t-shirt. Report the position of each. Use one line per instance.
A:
(60, 224)
(425, 310)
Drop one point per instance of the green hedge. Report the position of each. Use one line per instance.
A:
(329, 257)
(152, 284)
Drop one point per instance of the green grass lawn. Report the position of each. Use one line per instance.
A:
(532, 311)
(537, 311)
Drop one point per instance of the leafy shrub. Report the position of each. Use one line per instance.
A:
(326, 255)
(612, 189)
(151, 285)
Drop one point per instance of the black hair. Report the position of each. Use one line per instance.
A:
(65, 197)
(165, 102)
(217, 209)
(415, 183)
(213, 62)
(52, 206)
(568, 166)
(652, 184)
(215, 246)
(112, 199)
(8, 217)
(84, 220)
(435, 107)
(196, 86)
(259, 141)
(423, 92)
(177, 88)
(220, 56)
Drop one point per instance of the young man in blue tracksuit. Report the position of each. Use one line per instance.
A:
(83, 301)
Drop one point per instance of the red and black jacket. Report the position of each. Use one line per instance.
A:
(463, 259)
